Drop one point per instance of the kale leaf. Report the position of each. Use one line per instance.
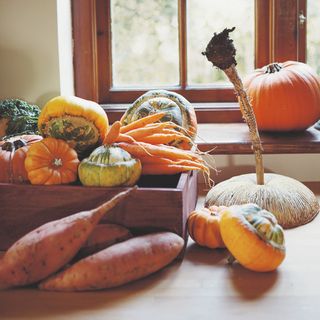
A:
(22, 116)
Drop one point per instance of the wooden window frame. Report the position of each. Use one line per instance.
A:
(278, 37)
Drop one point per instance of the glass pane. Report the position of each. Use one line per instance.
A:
(145, 46)
(208, 16)
(313, 39)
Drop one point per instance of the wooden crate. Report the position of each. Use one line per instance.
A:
(160, 203)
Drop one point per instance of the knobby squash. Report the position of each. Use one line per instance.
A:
(51, 161)
(177, 108)
(253, 237)
(12, 156)
(204, 227)
(284, 96)
(109, 166)
(82, 123)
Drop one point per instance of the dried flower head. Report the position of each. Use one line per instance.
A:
(220, 50)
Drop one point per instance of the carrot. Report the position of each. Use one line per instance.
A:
(184, 145)
(123, 117)
(141, 149)
(166, 169)
(180, 129)
(197, 164)
(172, 131)
(152, 159)
(49, 247)
(103, 236)
(119, 264)
(142, 122)
(113, 133)
(123, 137)
(148, 130)
(160, 138)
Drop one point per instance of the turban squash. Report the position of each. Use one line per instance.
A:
(109, 166)
(82, 123)
(284, 96)
(177, 109)
(12, 156)
(253, 237)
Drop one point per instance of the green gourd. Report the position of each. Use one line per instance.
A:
(177, 108)
(109, 166)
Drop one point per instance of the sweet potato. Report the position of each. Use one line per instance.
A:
(49, 247)
(119, 264)
(103, 236)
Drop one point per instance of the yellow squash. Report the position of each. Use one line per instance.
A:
(82, 123)
(253, 236)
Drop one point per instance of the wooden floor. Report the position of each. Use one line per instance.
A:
(202, 286)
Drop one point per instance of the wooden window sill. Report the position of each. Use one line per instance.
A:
(221, 129)
(216, 112)
(233, 138)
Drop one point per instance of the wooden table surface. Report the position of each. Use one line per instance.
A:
(202, 286)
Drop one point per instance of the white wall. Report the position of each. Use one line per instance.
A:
(301, 167)
(65, 47)
(29, 50)
(36, 65)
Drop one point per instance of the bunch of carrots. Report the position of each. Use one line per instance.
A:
(147, 139)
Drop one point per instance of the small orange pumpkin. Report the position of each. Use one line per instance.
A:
(12, 156)
(284, 96)
(204, 227)
(51, 161)
(253, 237)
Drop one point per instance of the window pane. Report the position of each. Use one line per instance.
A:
(144, 43)
(208, 16)
(313, 39)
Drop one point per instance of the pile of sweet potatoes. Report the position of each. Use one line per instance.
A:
(77, 253)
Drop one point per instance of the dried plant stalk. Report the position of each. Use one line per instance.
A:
(221, 52)
(289, 200)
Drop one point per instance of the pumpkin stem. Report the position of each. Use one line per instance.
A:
(13, 145)
(231, 259)
(273, 67)
(221, 51)
(57, 162)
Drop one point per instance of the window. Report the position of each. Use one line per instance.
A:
(114, 64)
(313, 40)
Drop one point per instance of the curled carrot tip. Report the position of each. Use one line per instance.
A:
(113, 133)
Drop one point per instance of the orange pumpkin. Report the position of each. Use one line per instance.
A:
(51, 161)
(204, 227)
(284, 96)
(12, 156)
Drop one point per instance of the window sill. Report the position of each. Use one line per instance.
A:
(233, 138)
(221, 130)
(218, 112)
